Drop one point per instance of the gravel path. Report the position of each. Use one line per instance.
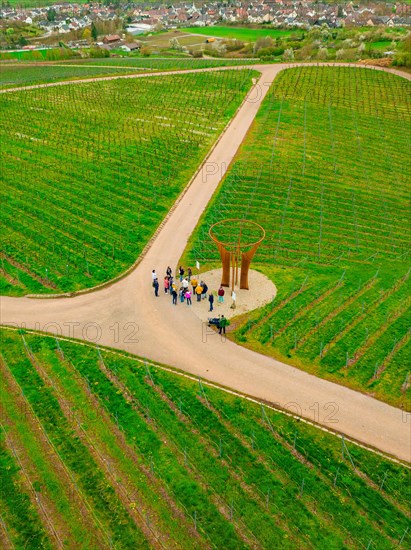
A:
(126, 315)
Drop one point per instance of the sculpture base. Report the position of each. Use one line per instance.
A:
(262, 291)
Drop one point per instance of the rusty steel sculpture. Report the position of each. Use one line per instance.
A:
(234, 251)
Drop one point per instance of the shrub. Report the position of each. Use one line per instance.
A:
(340, 54)
(221, 49)
(288, 55)
(348, 43)
(322, 54)
(248, 48)
(175, 45)
(57, 54)
(306, 52)
(402, 59)
(145, 52)
(233, 45)
(98, 52)
(212, 52)
(261, 43)
(270, 52)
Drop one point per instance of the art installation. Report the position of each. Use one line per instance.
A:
(237, 241)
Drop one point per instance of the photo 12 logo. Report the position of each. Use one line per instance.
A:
(125, 333)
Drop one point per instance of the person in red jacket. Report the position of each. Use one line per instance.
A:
(221, 293)
(166, 284)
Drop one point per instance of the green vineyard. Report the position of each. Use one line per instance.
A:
(90, 170)
(25, 75)
(102, 450)
(325, 170)
(30, 74)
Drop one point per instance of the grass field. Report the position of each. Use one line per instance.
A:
(325, 170)
(26, 55)
(243, 33)
(86, 184)
(12, 75)
(160, 41)
(383, 45)
(100, 450)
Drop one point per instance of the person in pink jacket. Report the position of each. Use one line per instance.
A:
(166, 284)
(188, 297)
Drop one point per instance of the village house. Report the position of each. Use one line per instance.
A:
(131, 46)
(111, 39)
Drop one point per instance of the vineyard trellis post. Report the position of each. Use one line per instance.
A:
(376, 370)
(345, 449)
(336, 476)
(148, 372)
(403, 536)
(59, 348)
(203, 392)
(302, 487)
(383, 480)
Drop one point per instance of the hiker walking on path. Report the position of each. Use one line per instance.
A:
(205, 290)
(155, 285)
(181, 272)
(169, 271)
(221, 293)
(188, 297)
(189, 274)
(184, 282)
(211, 300)
(154, 275)
(222, 324)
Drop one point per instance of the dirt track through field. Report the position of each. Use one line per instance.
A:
(127, 316)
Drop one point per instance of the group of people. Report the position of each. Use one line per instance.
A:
(183, 292)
